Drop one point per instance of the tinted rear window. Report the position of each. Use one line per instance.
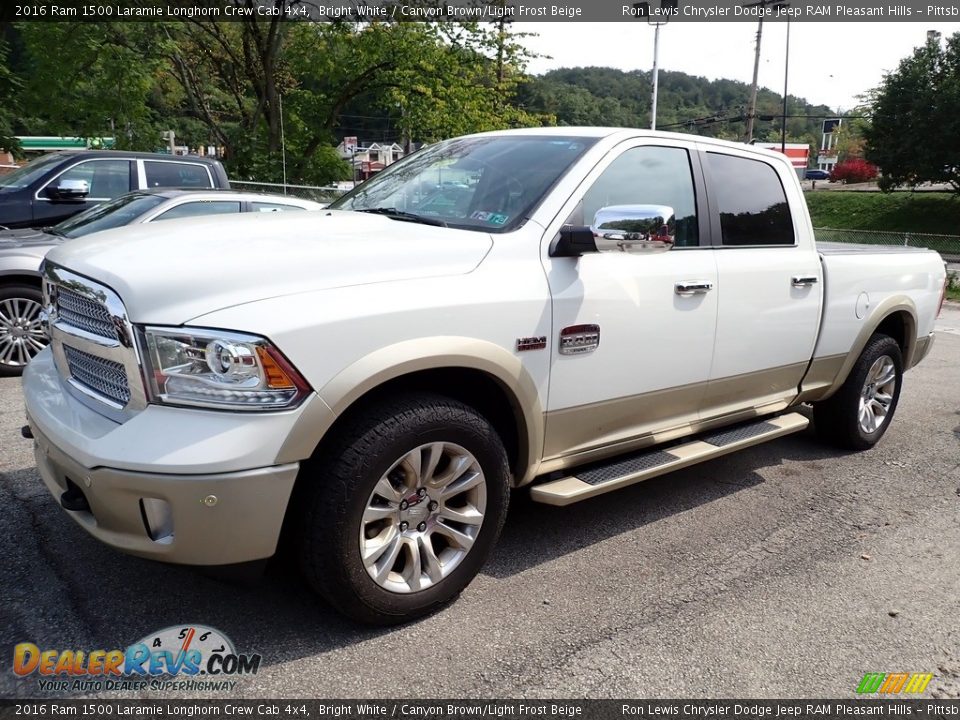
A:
(174, 174)
(753, 206)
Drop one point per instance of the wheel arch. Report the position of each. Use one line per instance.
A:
(895, 317)
(14, 277)
(480, 374)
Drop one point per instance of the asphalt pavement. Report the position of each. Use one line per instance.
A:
(786, 570)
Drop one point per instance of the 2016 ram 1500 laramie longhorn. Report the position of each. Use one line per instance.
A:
(572, 310)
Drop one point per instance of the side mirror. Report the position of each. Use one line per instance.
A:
(69, 190)
(573, 241)
(634, 228)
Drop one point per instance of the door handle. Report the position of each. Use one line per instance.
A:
(804, 280)
(686, 288)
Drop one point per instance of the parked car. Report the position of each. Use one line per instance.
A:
(54, 187)
(375, 381)
(817, 175)
(21, 251)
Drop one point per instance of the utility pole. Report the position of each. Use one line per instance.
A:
(786, 77)
(752, 109)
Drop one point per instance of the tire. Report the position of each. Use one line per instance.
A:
(360, 498)
(859, 413)
(21, 334)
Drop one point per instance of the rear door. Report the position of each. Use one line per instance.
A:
(769, 284)
(644, 361)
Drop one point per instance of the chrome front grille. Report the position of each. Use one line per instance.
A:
(106, 377)
(93, 346)
(84, 313)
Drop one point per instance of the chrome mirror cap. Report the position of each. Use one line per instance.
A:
(634, 228)
(72, 189)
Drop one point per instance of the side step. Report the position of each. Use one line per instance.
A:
(621, 472)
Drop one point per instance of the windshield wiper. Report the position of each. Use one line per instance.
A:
(52, 230)
(403, 215)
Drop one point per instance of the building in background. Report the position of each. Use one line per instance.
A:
(368, 160)
(827, 157)
(799, 154)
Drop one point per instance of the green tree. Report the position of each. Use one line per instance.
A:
(9, 86)
(914, 135)
(106, 88)
(264, 85)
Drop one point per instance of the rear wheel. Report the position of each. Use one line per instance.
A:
(21, 333)
(859, 413)
(404, 508)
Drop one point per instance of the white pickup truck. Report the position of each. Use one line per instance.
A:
(568, 309)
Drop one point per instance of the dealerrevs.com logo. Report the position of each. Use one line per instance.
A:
(184, 657)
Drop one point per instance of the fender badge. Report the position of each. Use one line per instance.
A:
(531, 343)
(579, 339)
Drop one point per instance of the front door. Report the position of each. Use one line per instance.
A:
(107, 178)
(649, 369)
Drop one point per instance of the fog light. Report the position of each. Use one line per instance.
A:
(157, 519)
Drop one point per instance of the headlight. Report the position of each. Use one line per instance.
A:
(217, 369)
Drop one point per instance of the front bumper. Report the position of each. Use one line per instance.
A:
(165, 484)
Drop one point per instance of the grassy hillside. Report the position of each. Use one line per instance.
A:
(899, 211)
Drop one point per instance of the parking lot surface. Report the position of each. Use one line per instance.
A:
(786, 570)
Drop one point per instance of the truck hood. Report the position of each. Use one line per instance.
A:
(169, 272)
(28, 237)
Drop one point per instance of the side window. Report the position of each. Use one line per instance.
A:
(649, 175)
(107, 178)
(201, 207)
(174, 174)
(272, 207)
(753, 206)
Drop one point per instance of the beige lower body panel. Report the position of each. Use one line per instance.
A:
(589, 433)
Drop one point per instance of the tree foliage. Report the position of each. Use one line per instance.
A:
(853, 170)
(279, 96)
(107, 88)
(9, 85)
(271, 93)
(914, 136)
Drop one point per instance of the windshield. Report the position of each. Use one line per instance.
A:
(475, 183)
(121, 211)
(24, 176)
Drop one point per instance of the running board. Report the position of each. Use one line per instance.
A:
(634, 468)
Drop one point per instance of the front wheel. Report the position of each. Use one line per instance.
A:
(859, 413)
(404, 508)
(21, 332)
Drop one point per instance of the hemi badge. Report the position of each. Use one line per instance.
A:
(578, 339)
(531, 343)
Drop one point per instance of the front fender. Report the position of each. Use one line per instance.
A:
(410, 356)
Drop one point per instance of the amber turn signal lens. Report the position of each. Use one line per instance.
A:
(277, 378)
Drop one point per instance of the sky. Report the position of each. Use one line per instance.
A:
(830, 63)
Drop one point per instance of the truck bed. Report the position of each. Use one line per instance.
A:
(839, 248)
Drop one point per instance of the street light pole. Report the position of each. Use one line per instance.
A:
(667, 8)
